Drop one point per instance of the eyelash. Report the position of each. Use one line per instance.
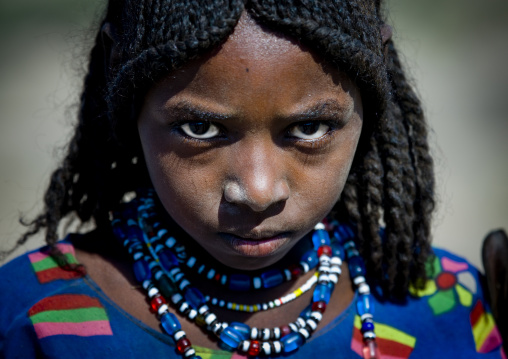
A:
(332, 124)
(332, 127)
(176, 127)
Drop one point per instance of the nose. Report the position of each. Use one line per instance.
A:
(257, 178)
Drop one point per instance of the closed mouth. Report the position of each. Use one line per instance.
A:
(255, 237)
(256, 245)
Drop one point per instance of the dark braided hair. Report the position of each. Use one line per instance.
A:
(391, 181)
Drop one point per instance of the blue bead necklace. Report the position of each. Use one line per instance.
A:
(157, 265)
(170, 252)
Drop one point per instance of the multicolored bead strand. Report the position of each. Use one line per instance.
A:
(190, 302)
(168, 260)
(364, 302)
(236, 282)
(144, 272)
(253, 308)
(159, 261)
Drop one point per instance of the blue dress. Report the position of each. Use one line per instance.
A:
(47, 312)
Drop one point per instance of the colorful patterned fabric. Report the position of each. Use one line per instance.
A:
(54, 315)
(485, 333)
(47, 269)
(451, 282)
(69, 314)
(392, 343)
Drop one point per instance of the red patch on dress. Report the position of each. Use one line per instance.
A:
(446, 280)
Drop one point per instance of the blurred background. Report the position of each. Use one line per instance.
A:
(456, 51)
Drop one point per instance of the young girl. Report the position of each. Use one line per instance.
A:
(259, 179)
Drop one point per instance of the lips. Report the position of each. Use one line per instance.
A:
(256, 235)
(256, 244)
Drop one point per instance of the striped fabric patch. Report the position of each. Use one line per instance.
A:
(45, 267)
(69, 314)
(392, 343)
(485, 333)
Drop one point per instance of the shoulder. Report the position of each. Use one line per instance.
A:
(447, 273)
(47, 311)
(32, 288)
(34, 274)
(450, 315)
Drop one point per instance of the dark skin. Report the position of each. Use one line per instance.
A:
(247, 148)
(251, 146)
(255, 170)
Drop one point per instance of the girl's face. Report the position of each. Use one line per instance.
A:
(250, 147)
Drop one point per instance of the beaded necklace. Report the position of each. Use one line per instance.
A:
(157, 265)
(253, 308)
(171, 252)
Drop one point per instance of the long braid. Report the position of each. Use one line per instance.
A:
(394, 206)
(371, 205)
(401, 213)
(137, 45)
(417, 136)
(350, 199)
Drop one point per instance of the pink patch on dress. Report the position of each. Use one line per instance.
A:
(238, 356)
(503, 355)
(452, 266)
(492, 341)
(82, 329)
(357, 347)
(40, 255)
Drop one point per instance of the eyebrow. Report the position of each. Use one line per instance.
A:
(327, 109)
(186, 111)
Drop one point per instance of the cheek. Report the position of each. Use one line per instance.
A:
(323, 179)
(318, 189)
(187, 188)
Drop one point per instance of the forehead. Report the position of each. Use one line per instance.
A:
(256, 65)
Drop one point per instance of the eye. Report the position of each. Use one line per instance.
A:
(200, 129)
(309, 130)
